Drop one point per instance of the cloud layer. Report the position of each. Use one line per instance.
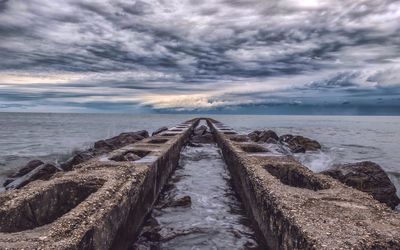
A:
(212, 55)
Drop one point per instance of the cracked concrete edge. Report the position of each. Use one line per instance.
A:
(108, 218)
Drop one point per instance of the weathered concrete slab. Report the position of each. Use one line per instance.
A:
(295, 208)
(99, 204)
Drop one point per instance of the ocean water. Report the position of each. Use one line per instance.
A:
(53, 137)
(215, 219)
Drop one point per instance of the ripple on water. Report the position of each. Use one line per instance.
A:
(215, 219)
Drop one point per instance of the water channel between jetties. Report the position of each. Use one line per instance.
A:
(198, 208)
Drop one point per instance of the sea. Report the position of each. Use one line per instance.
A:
(53, 137)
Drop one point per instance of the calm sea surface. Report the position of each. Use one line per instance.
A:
(53, 137)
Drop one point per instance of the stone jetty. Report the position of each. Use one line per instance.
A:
(101, 203)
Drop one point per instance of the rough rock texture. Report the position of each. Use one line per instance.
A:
(268, 136)
(121, 140)
(125, 157)
(254, 135)
(368, 177)
(295, 208)
(45, 172)
(142, 133)
(98, 204)
(296, 143)
(41, 172)
(27, 168)
(184, 201)
(195, 145)
(207, 137)
(151, 230)
(299, 144)
(240, 138)
(157, 131)
(101, 203)
(201, 130)
(80, 157)
(153, 235)
(23, 171)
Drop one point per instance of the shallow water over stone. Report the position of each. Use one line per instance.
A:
(214, 219)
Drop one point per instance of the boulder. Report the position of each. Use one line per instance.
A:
(121, 140)
(151, 229)
(368, 177)
(42, 172)
(100, 147)
(254, 135)
(77, 159)
(45, 172)
(195, 145)
(8, 181)
(27, 168)
(173, 233)
(125, 157)
(132, 157)
(142, 133)
(185, 201)
(239, 138)
(157, 131)
(201, 130)
(152, 234)
(205, 138)
(268, 136)
(299, 144)
(271, 141)
(124, 139)
(23, 171)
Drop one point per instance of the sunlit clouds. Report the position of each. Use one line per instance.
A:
(200, 56)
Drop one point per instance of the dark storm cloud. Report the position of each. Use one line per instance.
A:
(341, 80)
(162, 53)
(30, 96)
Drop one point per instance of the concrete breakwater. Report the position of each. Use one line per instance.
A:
(98, 204)
(295, 208)
(102, 203)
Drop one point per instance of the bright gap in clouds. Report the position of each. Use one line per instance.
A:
(209, 56)
(308, 3)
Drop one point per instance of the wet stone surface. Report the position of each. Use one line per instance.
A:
(198, 208)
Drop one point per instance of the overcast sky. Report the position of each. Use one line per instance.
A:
(220, 56)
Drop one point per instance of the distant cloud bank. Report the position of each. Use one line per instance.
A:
(218, 56)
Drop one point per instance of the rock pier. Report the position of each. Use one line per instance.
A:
(101, 203)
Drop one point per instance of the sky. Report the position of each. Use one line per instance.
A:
(210, 56)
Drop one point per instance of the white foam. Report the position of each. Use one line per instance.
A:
(148, 159)
(395, 179)
(316, 161)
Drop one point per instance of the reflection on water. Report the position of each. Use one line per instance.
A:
(215, 218)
